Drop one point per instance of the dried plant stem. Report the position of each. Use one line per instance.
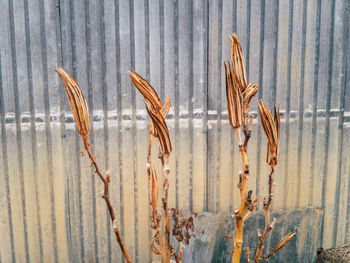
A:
(243, 181)
(248, 254)
(106, 181)
(268, 225)
(166, 171)
(161, 245)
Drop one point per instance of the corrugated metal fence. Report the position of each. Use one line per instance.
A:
(296, 51)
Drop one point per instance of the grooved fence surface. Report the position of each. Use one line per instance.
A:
(50, 202)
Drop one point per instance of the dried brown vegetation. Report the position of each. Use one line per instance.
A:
(158, 128)
(339, 254)
(239, 96)
(81, 115)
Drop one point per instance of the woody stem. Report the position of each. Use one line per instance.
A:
(106, 181)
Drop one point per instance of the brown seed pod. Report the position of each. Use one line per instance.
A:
(166, 107)
(233, 96)
(160, 128)
(283, 242)
(155, 188)
(150, 95)
(238, 64)
(270, 121)
(155, 250)
(146, 90)
(77, 102)
(247, 95)
(250, 92)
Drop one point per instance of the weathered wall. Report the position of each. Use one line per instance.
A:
(297, 52)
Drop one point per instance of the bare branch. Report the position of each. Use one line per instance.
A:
(81, 115)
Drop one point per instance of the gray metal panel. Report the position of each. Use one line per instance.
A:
(297, 51)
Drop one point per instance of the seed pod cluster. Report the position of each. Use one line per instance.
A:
(270, 121)
(156, 110)
(238, 94)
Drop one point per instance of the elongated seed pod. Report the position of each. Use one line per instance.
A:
(77, 102)
(233, 96)
(160, 127)
(238, 63)
(270, 122)
(146, 90)
(283, 242)
(155, 188)
(150, 95)
(250, 92)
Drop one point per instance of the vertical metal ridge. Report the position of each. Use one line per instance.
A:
(47, 125)
(18, 125)
(205, 108)
(301, 98)
(177, 130)
(119, 112)
(32, 122)
(218, 107)
(190, 109)
(77, 136)
(147, 68)
(275, 54)
(5, 165)
(105, 116)
(249, 9)
(327, 126)
(147, 51)
(234, 16)
(261, 72)
(341, 118)
(161, 50)
(134, 139)
(59, 46)
(347, 231)
(314, 102)
(91, 110)
(289, 83)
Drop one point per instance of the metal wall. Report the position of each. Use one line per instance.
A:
(296, 51)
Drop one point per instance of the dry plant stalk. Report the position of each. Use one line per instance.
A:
(239, 95)
(158, 129)
(270, 121)
(81, 116)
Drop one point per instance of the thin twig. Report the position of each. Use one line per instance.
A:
(80, 112)
(106, 181)
(248, 254)
(268, 225)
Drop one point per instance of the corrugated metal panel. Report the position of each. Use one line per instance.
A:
(297, 51)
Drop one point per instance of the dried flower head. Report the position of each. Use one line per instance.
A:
(233, 96)
(238, 63)
(160, 127)
(77, 102)
(270, 121)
